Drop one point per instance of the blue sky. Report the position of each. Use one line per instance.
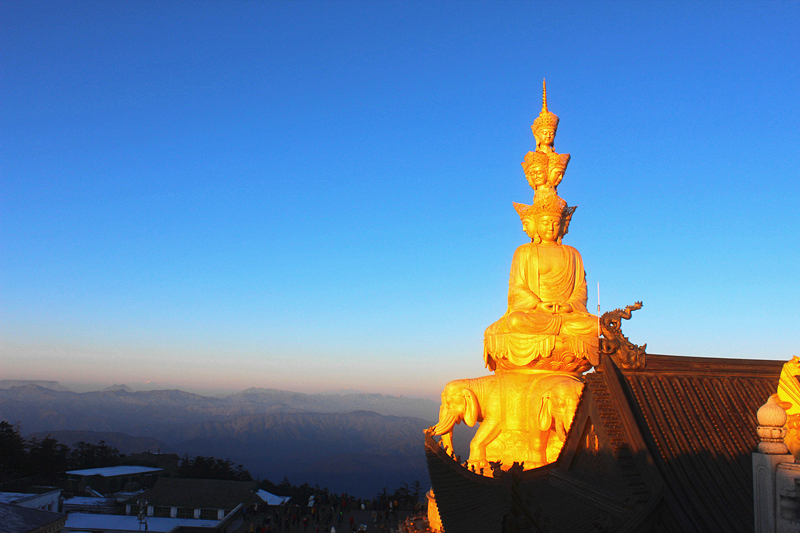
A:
(317, 195)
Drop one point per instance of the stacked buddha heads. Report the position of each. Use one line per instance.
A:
(546, 326)
(544, 170)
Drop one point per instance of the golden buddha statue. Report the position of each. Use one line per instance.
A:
(544, 168)
(536, 166)
(545, 126)
(546, 325)
(545, 171)
(557, 166)
(543, 342)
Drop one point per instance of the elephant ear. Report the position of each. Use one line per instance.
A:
(545, 417)
(472, 410)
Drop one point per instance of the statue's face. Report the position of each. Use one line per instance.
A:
(537, 176)
(556, 176)
(549, 228)
(529, 226)
(546, 135)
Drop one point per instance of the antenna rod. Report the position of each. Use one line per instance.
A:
(598, 309)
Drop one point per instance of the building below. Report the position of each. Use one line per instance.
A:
(97, 523)
(17, 519)
(46, 500)
(111, 479)
(666, 447)
(272, 500)
(169, 462)
(90, 505)
(205, 499)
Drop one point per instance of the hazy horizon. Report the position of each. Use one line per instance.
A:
(81, 387)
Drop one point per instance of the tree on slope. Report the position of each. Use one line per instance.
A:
(212, 468)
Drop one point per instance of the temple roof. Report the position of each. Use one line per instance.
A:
(698, 417)
(664, 448)
(16, 519)
(198, 493)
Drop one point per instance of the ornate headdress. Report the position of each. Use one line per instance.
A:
(549, 203)
(559, 161)
(523, 210)
(535, 159)
(568, 218)
(545, 118)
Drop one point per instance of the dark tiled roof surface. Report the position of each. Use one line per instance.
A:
(467, 502)
(555, 509)
(698, 418)
(198, 493)
(598, 393)
(14, 519)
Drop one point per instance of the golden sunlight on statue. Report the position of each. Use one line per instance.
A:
(545, 126)
(546, 325)
(543, 342)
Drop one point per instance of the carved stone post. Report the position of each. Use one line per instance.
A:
(771, 452)
(787, 498)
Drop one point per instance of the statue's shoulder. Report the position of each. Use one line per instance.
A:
(525, 249)
(575, 255)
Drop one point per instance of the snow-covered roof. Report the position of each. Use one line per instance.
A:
(112, 471)
(13, 497)
(271, 499)
(16, 519)
(86, 501)
(94, 522)
(122, 495)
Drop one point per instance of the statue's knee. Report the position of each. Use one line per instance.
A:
(516, 321)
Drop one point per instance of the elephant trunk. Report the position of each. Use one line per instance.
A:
(561, 431)
(445, 424)
(563, 424)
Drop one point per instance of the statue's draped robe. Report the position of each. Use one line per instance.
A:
(526, 288)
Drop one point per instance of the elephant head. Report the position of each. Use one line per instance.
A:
(558, 403)
(459, 403)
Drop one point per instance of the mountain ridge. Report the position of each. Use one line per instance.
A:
(355, 443)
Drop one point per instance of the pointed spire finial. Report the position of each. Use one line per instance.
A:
(545, 118)
(544, 96)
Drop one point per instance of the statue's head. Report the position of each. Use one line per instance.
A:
(552, 216)
(536, 167)
(549, 227)
(545, 126)
(528, 220)
(558, 165)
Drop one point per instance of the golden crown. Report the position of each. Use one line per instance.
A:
(547, 202)
(545, 118)
(539, 159)
(568, 218)
(559, 161)
(523, 210)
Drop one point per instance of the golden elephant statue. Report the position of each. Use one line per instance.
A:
(517, 414)
(556, 398)
(471, 401)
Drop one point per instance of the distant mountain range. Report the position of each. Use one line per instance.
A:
(53, 385)
(121, 441)
(118, 387)
(354, 443)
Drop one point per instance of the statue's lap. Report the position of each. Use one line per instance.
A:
(566, 353)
